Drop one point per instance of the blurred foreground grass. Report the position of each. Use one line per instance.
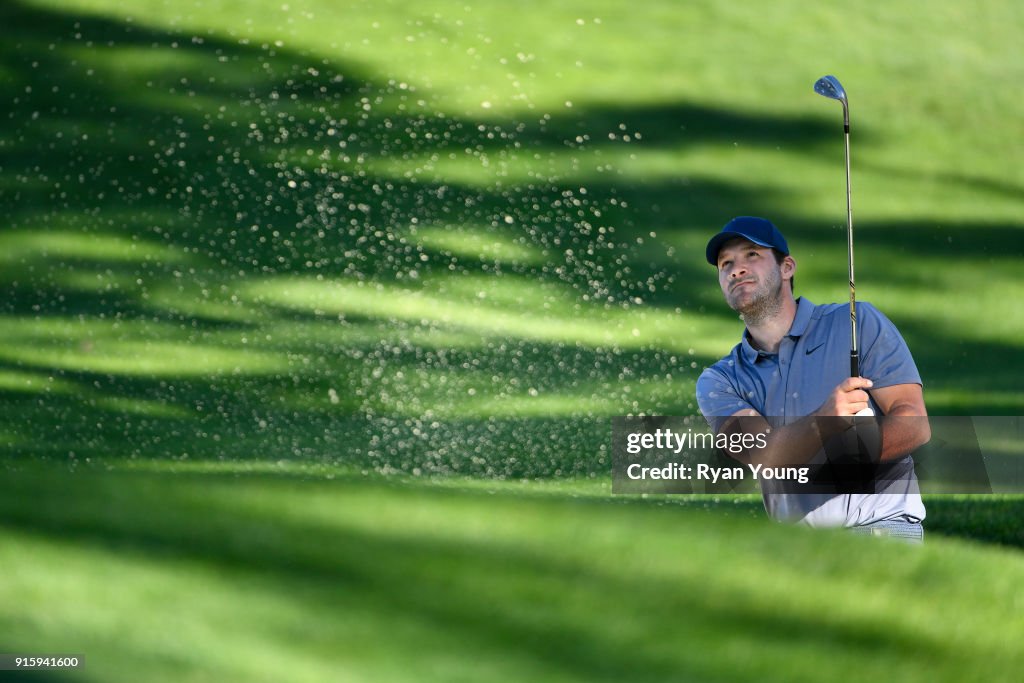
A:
(193, 574)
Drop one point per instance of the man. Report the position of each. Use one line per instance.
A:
(789, 377)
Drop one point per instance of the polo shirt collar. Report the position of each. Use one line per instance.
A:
(804, 310)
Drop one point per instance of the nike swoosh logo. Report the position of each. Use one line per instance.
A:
(812, 349)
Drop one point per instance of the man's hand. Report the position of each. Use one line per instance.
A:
(847, 399)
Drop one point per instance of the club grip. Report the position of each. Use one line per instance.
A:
(854, 364)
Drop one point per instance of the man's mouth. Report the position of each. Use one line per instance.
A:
(741, 283)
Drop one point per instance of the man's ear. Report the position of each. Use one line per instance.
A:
(788, 268)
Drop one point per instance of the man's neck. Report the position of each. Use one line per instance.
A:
(766, 335)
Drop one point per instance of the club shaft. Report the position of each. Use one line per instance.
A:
(854, 355)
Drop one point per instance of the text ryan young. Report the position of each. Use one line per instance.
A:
(706, 472)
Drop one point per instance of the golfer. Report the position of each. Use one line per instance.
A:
(789, 376)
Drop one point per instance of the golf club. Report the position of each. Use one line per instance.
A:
(829, 86)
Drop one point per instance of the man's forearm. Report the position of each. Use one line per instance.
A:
(901, 431)
(904, 430)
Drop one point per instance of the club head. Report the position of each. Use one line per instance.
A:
(829, 86)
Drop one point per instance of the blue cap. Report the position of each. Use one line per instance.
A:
(757, 230)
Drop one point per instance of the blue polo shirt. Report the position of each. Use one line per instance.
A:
(814, 358)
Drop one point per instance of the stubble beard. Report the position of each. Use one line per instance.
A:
(763, 304)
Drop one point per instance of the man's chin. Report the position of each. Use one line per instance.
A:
(753, 310)
(741, 303)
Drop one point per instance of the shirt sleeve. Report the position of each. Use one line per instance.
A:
(718, 398)
(885, 358)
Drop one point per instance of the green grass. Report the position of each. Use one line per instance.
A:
(345, 294)
(214, 573)
(227, 160)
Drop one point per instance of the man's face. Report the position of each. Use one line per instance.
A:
(749, 276)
